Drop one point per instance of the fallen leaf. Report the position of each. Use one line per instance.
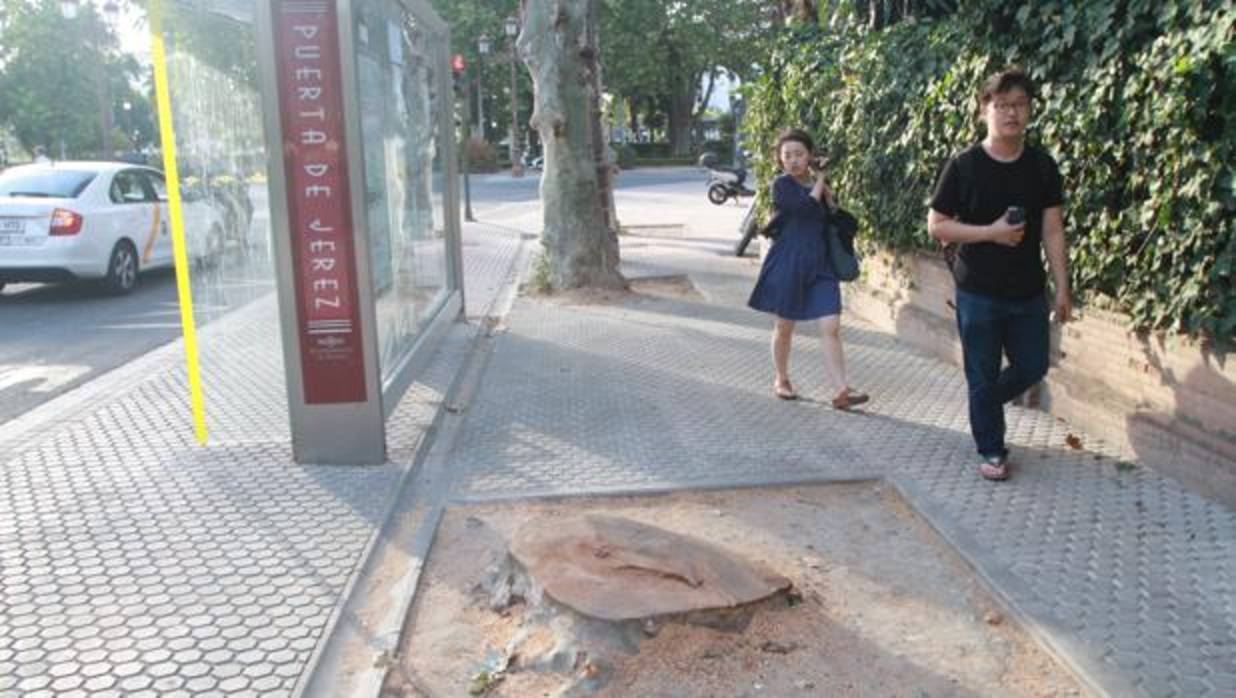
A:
(483, 681)
(778, 648)
(1074, 441)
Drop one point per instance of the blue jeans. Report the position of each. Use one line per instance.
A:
(990, 328)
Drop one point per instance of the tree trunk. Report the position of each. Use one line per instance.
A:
(875, 17)
(579, 247)
(681, 111)
(707, 97)
(600, 143)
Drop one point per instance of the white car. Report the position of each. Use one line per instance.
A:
(70, 220)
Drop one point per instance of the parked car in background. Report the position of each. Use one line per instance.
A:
(78, 220)
(230, 196)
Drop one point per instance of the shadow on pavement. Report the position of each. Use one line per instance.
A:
(653, 394)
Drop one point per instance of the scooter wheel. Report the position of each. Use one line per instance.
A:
(748, 228)
(717, 194)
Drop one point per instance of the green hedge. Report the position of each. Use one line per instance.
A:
(651, 150)
(626, 155)
(1137, 102)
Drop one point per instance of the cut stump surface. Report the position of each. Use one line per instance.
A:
(617, 569)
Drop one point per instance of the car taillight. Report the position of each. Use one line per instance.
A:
(65, 222)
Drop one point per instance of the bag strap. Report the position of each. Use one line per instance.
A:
(969, 200)
(967, 185)
(1045, 168)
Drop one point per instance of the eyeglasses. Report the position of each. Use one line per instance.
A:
(1019, 106)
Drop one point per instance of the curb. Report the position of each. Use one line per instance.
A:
(364, 632)
(1036, 619)
(62, 409)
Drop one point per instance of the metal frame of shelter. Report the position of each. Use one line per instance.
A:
(338, 399)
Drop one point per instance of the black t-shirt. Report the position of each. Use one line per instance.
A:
(1033, 182)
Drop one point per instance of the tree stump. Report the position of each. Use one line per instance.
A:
(597, 585)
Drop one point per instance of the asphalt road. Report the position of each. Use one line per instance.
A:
(53, 338)
(495, 192)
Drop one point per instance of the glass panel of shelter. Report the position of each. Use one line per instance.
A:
(397, 62)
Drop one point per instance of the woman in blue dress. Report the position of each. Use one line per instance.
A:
(796, 281)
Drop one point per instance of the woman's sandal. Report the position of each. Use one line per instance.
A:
(785, 391)
(848, 397)
(994, 468)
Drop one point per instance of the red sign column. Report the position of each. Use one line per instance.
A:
(319, 201)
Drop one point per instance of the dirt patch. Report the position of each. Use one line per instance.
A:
(668, 230)
(883, 608)
(676, 286)
(588, 295)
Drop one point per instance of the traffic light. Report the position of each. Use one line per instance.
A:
(458, 66)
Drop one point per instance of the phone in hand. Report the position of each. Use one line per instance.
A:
(1016, 215)
(819, 162)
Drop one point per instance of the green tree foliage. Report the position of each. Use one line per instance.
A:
(215, 40)
(469, 21)
(47, 79)
(1137, 101)
(658, 53)
(655, 54)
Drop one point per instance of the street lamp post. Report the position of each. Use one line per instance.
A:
(127, 106)
(110, 14)
(482, 47)
(459, 67)
(68, 10)
(467, 159)
(512, 31)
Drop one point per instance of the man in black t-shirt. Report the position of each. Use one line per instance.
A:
(996, 204)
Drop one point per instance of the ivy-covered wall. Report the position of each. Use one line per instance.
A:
(1137, 101)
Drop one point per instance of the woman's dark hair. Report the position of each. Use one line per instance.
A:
(797, 135)
(1004, 81)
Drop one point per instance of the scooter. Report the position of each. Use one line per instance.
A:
(724, 183)
(536, 163)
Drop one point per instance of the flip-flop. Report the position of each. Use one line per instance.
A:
(848, 397)
(995, 469)
(785, 393)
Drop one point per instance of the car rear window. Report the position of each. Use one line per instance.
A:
(60, 184)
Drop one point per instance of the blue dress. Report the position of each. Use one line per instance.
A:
(796, 281)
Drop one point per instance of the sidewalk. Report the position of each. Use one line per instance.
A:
(1127, 576)
(134, 563)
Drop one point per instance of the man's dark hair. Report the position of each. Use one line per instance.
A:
(1004, 81)
(796, 135)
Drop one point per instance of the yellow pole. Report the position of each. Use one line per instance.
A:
(175, 213)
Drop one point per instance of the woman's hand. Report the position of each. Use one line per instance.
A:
(821, 191)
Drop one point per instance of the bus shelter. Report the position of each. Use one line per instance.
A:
(334, 121)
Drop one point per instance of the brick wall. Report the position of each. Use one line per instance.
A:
(1169, 402)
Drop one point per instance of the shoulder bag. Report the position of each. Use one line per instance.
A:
(839, 232)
